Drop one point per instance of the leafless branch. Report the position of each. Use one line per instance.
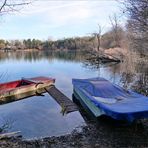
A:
(115, 27)
(7, 6)
(137, 11)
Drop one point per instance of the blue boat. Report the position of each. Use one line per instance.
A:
(104, 98)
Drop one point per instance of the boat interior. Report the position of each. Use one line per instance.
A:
(14, 84)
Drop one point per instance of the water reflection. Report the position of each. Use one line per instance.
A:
(39, 55)
(130, 74)
(40, 116)
(134, 75)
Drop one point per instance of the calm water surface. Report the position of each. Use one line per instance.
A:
(40, 116)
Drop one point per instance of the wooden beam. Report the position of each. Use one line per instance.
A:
(66, 104)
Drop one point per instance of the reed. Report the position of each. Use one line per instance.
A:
(135, 72)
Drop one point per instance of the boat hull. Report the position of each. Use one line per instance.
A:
(10, 91)
(87, 104)
(103, 98)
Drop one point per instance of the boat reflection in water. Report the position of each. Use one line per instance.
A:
(40, 116)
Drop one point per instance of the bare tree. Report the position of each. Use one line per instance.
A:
(98, 37)
(7, 6)
(137, 11)
(116, 29)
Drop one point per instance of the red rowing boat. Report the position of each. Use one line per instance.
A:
(24, 85)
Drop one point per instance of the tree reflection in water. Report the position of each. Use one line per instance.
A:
(35, 55)
(132, 72)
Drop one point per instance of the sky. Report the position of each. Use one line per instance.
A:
(57, 19)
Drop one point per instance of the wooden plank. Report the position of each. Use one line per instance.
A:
(66, 104)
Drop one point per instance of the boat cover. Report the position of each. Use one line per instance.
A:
(113, 100)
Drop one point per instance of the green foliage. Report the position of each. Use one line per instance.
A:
(30, 44)
(77, 43)
(69, 44)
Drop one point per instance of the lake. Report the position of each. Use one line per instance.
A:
(41, 116)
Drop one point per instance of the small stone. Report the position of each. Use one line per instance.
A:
(97, 145)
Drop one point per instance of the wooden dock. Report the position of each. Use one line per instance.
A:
(66, 104)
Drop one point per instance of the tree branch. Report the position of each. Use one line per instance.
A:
(10, 6)
(3, 5)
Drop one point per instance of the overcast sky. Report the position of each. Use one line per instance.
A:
(45, 19)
